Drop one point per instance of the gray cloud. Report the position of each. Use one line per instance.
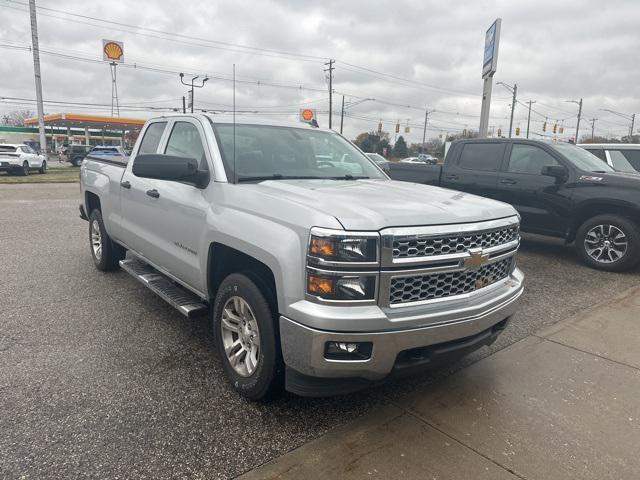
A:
(555, 51)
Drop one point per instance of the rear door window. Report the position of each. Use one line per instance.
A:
(620, 162)
(633, 156)
(151, 138)
(481, 156)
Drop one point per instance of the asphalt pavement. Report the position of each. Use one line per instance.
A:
(100, 378)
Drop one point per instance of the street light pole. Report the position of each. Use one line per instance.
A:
(579, 103)
(424, 131)
(514, 91)
(193, 85)
(593, 127)
(529, 117)
(38, 77)
(342, 116)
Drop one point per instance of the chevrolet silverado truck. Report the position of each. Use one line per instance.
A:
(559, 189)
(316, 277)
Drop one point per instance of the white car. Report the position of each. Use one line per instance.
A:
(623, 157)
(21, 159)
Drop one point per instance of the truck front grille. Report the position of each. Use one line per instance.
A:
(409, 246)
(439, 285)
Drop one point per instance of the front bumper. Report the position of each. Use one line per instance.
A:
(303, 347)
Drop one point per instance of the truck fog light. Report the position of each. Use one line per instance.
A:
(348, 350)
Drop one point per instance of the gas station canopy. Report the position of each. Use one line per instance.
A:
(87, 121)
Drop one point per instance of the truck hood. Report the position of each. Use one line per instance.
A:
(377, 204)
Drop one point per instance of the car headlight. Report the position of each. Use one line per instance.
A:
(340, 248)
(340, 266)
(341, 286)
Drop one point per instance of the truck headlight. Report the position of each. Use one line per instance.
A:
(339, 247)
(341, 286)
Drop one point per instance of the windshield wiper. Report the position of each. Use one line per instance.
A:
(278, 176)
(348, 176)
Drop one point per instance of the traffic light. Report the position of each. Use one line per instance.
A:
(380, 128)
(555, 127)
(544, 127)
(464, 132)
(499, 132)
(397, 128)
(517, 131)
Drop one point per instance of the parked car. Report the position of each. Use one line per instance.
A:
(21, 159)
(115, 151)
(429, 159)
(74, 154)
(559, 189)
(623, 157)
(382, 162)
(312, 276)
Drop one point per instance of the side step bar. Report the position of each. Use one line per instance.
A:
(186, 302)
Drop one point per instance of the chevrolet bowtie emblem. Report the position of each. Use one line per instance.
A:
(476, 260)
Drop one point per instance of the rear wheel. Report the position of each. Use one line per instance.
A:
(43, 168)
(105, 253)
(25, 168)
(609, 242)
(246, 339)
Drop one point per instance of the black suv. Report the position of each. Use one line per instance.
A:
(76, 153)
(559, 190)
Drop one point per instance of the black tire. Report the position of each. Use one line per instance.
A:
(110, 253)
(43, 168)
(612, 225)
(267, 378)
(25, 169)
(76, 162)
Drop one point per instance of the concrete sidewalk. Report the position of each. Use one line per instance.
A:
(564, 403)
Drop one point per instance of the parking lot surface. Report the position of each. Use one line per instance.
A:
(100, 378)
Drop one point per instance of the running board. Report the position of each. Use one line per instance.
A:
(183, 300)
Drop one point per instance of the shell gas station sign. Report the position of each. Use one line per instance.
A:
(307, 115)
(112, 51)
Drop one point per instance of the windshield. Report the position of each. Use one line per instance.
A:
(582, 159)
(7, 148)
(268, 152)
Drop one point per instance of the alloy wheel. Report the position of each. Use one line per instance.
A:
(606, 243)
(96, 240)
(240, 336)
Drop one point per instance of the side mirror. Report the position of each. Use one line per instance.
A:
(557, 171)
(169, 167)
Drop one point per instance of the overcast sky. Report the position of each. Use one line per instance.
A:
(555, 51)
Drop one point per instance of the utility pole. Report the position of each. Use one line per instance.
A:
(184, 108)
(579, 103)
(193, 85)
(424, 131)
(529, 116)
(593, 127)
(624, 115)
(38, 77)
(514, 91)
(342, 115)
(330, 70)
(633, 119)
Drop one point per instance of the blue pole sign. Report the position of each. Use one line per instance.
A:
(491, 42)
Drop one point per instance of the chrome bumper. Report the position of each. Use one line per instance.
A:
(303, 347)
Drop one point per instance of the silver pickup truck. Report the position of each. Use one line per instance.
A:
(316, 277)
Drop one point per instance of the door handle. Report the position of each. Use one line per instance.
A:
(508, 181)
(451, 177)
(153, 193)
(125, 184)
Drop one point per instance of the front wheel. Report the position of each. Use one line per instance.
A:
(245, 338)
(43, 168)
(105, 253)
(609, 242)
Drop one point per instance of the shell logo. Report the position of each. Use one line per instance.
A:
(112, 51)
(307, 115)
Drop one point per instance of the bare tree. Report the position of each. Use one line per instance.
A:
(16, 118)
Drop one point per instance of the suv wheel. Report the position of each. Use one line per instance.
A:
(43, 168)
(245, 338)
(25, 168)
(609, 242)
(105, 253)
